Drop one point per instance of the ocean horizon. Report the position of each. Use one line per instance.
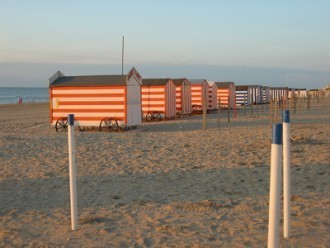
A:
(10, 95)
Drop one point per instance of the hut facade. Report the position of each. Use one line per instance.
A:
(242, 95)
(183, 96)
(279, 93)
(93, 98)
(225, 91)
(299, 93)
(158, 95)
(199, 91)
(266, 94)
(248, 94)
(212, 96)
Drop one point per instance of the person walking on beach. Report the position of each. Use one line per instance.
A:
(20, 100)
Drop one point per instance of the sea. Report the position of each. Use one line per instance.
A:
(10, 95)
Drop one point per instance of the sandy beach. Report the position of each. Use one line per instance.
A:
(166, 184)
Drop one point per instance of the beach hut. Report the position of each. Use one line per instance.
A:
(226, 90)
(158, 98)
(279, 93)
(93, 99)
(199, 91)
(266, 94)
(183, 96)
(242, 95)
(297, 92)
(212, 96)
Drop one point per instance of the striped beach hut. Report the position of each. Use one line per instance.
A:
(266, 97)
(248, 94)
(183, 96)
(226, 90)
(158, 97)
(212, 96)
(94, 98)
(242, 95)
(279, 93)
(199, 90)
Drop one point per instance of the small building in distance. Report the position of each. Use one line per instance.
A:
(183, 96)
(94, 98)
(199, 92)
(158, 96)
(226, 91)
(212, 99)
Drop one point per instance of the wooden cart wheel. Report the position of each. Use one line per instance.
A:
(149, 117)
(61, 125)
(157, 116)
(114, 125)
(109, 125)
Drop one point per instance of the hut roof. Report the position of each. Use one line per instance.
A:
(155, 81)
(179, 81)
(197, 81)
(241, 87)
(224, 84)
(245, 87)
(101, 80)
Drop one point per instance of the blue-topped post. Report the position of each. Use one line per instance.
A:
(72, 172)
(286, 174)
(275, 188)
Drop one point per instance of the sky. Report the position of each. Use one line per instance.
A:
(266, 42)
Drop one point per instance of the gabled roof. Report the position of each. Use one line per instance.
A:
(224, 84)
(179, 81)
(197, 81)
(155, 81)
(59, 79)
(100, 80)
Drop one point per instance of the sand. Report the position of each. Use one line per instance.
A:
(167, 184)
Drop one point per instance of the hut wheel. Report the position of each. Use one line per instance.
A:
(109, 125)
(61, 125)
(157, 116)
(149, 117)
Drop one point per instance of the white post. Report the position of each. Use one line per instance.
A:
(72, 172)
(286, 173)
(274, 195)
(204, 106)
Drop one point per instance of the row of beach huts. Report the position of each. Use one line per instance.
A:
(129, 99)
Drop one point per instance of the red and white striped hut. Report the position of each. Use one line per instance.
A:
(158, 96)
(225, 90)
(93, 98)
(183, 96)
(212, 100)
(199, 90)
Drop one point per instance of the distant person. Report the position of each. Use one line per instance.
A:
(20, 100)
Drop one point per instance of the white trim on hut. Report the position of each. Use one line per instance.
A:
(92, 98)
(183, 95)
(225, 90)
(158, 95)
(199, 89)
